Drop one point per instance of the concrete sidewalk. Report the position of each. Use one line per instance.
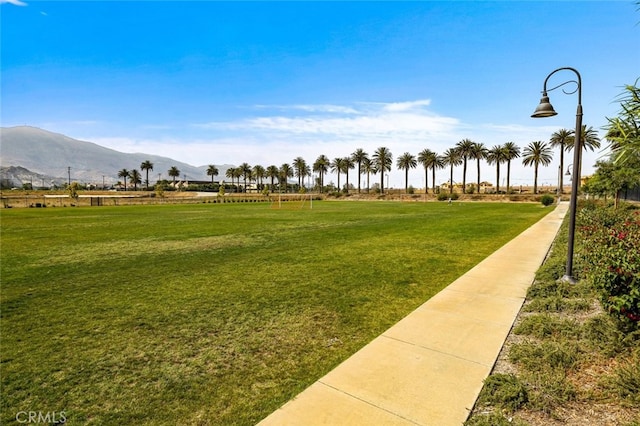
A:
(429, 368)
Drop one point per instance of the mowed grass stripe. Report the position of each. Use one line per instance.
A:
(216, 314)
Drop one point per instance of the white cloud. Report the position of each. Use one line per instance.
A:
(275, 134)
(321, 108)
(407, 106)
(371, 120)
(14, 2)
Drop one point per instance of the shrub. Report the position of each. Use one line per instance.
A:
(505, 391)
(601, 333)
(546, 325)
(549, 389)
(611, 251)
(557, 304)
(537, 357)
(445, 197)
(493, 419)
(547, 200)
(626, 380)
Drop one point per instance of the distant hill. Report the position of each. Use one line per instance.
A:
(47, 155)
(16, 176)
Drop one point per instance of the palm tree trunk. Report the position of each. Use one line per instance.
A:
(478, 188)
(508, 174)
(406, 180)
(535, 179)
(451, 181)
(433, 179)
(426, 180)
(497, 177)
(464, 177)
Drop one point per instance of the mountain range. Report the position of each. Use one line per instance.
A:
(37, 156)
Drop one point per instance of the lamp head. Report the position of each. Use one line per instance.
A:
(544, 109)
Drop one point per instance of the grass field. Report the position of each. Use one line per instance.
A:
(215, 313)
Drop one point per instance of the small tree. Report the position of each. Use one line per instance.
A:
(159, 190)
(611, 178)
(73, 190)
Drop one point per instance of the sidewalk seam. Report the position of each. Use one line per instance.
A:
(368, 402)
(435, 350)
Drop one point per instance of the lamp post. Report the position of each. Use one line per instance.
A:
(545, 109)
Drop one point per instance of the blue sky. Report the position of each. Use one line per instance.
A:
(208, 82)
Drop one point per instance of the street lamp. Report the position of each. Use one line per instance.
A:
(545, 109)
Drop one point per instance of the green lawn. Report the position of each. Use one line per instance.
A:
(215, 313)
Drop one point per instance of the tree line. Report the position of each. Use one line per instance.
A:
(465, 152)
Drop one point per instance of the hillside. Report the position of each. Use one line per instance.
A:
(49, 154)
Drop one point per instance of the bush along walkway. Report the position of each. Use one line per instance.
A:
(573, 355)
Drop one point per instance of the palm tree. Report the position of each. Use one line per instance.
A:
(536, 153)
(368, 168)
(497, 155)
(321, 166)
(348, 165)
(623, 131)
(273, 173)
(212, 171)
(124, 174)
(451, 157)
(337, 166)
(285, 173)
(258, 173)
(426, 157)
(306, 172)
(237, 173)
(561, 139)
(146, 166)
(478, 152)
(174, 172)
(246, 174)
(437, 163)
(359, 156)
(405, 162)
(589, 140)
(299, 165)
(382, 160)
(231, 174)
(465, 148)
(135, 178)
(512, 151)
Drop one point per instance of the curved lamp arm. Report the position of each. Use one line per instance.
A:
(579, 83)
